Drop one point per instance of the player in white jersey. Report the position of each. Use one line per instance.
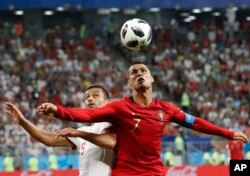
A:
(93, 160)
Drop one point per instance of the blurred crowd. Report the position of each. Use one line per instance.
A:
(203, 67)
(54, 67)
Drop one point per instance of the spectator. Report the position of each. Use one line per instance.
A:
(168, 157)
(33, 163)
(185, 102)
(8, 163)
(207, 159)
(179, 144)
(247, 155)
(218, 157)
(53, 162)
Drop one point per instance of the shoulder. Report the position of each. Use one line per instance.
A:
(168, 106)
(84, 128)
(165, 104)
(102, 125)
(118, 102)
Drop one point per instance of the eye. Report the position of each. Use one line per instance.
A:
(95, 95)
(85, 98)
(133, 72)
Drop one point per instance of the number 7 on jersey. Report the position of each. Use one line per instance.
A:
(137, 121)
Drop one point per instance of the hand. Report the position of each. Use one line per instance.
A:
(240, 136)
(66, 132)
(47, 109)
(13, 112)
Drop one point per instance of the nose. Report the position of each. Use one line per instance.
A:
(90, 99)
(139, 73)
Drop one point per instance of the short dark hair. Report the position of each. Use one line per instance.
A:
(105, 92)
(137, 62)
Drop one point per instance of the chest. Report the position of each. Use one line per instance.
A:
(89, 150)
(146, 120)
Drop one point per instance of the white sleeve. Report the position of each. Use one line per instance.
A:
(99, 127)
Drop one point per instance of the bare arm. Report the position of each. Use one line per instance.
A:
(105, 140)
(45, 137)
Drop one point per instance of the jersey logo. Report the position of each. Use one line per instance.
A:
(189, 119)
(160, 114)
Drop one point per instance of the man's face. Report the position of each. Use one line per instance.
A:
(139, 77)
(95, 98)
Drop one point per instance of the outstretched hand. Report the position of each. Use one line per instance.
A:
(66, 132)
(47, 109)
(13, 112)
(240, 137)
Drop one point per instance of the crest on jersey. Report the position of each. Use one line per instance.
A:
(160, 114)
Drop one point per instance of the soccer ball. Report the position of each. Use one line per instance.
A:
(136, 34)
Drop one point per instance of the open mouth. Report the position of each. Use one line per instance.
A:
(91, 105)
(140, 80)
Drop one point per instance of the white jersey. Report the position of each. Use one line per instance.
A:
(93, 160)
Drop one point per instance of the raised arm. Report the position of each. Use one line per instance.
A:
(104, 114)
(204, 126)
(105, 140)
(45, 137)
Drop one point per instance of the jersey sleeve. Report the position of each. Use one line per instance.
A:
(198, 124)
(104, 114)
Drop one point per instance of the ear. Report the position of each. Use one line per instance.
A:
(107, 101)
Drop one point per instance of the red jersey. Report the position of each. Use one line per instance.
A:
(236, 150)
(139, 130)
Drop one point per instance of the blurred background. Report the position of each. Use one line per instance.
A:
(52, 50)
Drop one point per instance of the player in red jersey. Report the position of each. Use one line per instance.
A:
(138, 122)
(235, 149)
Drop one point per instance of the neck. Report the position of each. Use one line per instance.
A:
(143, 98)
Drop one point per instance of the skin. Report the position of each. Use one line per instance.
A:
(140, 81)
(94, 98)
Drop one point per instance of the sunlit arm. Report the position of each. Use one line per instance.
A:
(45, 137)
(106, 140)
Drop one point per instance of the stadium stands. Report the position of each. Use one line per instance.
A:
(207, 58)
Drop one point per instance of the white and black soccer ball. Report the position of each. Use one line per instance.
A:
(136, 34)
